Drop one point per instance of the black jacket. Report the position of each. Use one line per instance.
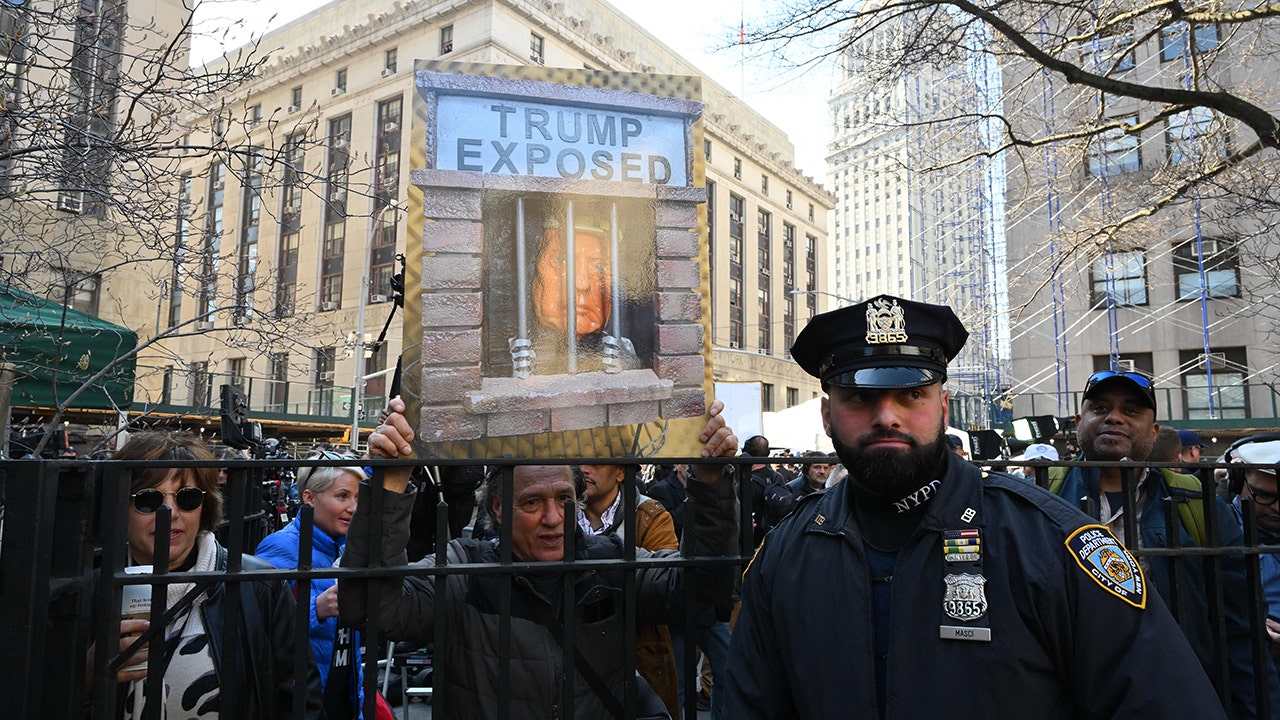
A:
(467, 660)
(671, 493)
(1061, 645)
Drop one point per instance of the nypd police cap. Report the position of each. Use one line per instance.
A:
(885, 342)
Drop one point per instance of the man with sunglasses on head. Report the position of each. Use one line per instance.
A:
(922, 586)
(1117, 422)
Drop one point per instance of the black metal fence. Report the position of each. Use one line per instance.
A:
(63, 544)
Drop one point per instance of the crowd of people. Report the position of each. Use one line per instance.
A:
(1045, 598)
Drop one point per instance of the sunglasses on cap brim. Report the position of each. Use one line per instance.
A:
(149, 500)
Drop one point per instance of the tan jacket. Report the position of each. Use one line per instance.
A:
(655, 659)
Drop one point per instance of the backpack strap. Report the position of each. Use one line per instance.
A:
(1187, 492)
(1057, 476)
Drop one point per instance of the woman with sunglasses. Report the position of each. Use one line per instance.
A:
(195, 658)
(331, 492)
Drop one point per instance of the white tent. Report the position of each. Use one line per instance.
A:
(798, 428)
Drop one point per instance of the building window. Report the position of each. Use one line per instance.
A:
(811, 215)
(211, 251)
(706, 149)
(340, 80)
(235, 372)
(1115, 150)
(322, 396)
(1173, 40)
(1186, 132)
(1108, 53)
(737, 168)
(788, 199)
(79, 291)
(278, 395)
(295, 99)
(333, 244)
(764, 235)
(1120, 276)
(389, 61)
(255, 114)
(764, 185)
(1224, 368)
(446, 39)
(247, 251)
(1130, 362)
(737, 209)
(1221, 268)
(177, 279)
(765, 329)
(766, 397)
(793, 396)
(290, 224)
(199, 384)
(382, 248)
(166, 386)
(537, 48)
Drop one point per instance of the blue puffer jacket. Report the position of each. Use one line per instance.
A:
(280, 548)
(1192, 600)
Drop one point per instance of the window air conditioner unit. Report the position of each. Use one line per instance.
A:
(292, 209)
(1126, 365)
(1215, 360)
(733, 344)
(388, 72)
(341, 144)
(328, 305)
(219, 184)
(326, 377)
(338, 196)
(293, 108)
(377, 298)
(70, 203)
(337, 91)
(390, 127)
(203, 325)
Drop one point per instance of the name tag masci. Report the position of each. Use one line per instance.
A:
(509, 137)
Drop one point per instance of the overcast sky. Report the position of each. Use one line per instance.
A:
(793, 100)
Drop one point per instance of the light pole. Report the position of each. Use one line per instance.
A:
(357, 377)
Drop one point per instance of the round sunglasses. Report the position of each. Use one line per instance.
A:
(149, 500)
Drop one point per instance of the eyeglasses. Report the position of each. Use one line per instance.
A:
(149, 500)
(1262, 497)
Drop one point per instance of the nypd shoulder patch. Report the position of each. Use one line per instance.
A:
(1108, 563)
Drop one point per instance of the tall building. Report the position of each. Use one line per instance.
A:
(85, 97)
(908, 224)
(1174, 294)
(299, 236)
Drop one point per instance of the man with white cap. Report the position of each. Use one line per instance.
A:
(1036, 451)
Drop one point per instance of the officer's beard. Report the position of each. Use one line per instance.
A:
(892, 473)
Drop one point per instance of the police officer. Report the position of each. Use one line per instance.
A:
(924, 587)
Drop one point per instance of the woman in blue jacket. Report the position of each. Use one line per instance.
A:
(332, 492)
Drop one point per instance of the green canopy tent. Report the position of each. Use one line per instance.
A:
(54, 350)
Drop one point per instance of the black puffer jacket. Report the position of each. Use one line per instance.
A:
(469, 661)
(267, 646)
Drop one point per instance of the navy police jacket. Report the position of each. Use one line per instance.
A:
(1193, 600)
(1051, 619)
